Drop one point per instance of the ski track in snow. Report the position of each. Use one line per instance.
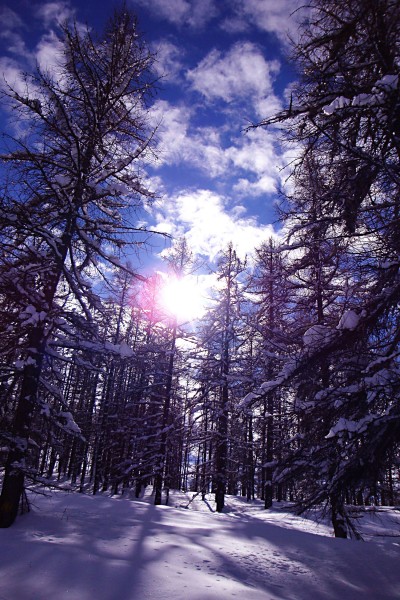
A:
(81, 547)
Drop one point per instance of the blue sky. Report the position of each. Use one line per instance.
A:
(222, 65)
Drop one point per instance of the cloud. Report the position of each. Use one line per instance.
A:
(256, 152)
(52, 13)
(257, 163)
(195, 13)
(247, 163)
(234, 24)
(49, 53)
(11, 75)
(10, 24)
(179, 142)
(168, 62)
(172, 133)
(278, 17)
(9, 19)
(201, 12)
(209, 224)
(260, 187)
(242, 73)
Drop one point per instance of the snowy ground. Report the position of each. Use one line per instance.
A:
(80, 547)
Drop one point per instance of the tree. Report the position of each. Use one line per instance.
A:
(220, 340)
(180, 260)
(271, 289)
(73, 181)
(346, 116)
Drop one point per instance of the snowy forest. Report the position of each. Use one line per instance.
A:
(288, 387)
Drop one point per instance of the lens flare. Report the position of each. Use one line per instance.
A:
(182, 298)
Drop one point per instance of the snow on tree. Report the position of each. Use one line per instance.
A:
(345, 114)
(68, 199)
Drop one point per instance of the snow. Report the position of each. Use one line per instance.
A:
(83, 547)
(388, 264)
(346, 425)
(339, 102)
(45, 409)
(349, 320)
(249, 398)
(62, 179)
(20, 364)
(123, 350)
(386, 84)
(69, 423)
(31, 316)
(316, 336)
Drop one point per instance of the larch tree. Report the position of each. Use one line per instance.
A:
(179, 260)
(73, 182)
(346, 114)
(219, 338)
(271, 291)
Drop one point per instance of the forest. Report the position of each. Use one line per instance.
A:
(288, 387)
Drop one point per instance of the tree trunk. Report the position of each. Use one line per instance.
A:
(268, 496)
(222, 452)
(338, 520)
(13, 484)
(159, 477)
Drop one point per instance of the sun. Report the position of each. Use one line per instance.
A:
(182, 298)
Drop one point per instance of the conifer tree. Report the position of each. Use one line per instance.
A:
(345, 114)
(67, 204)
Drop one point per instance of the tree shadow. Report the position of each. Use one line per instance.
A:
(116, 549)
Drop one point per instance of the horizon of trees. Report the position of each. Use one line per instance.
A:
(288, 388)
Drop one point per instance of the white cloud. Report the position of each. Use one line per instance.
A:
(280, 17)
(172, 133)
(240, 74)
(252, 158)
(208, 154)
(175, 11)
(178, 142)
(201, 12)
(12, 79)
(11, 75)
(208, 223)
(256, 152)
(195, 13)
(235, 24)
(9, 19)
(10, 24)
(16, 44)
(258, 158)
(49, 52)
(168, 62)
(52, 13)
(260, 187)
(267, 106)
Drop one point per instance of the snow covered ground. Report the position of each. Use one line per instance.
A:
(80, 547)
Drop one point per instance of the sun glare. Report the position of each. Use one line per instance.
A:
(182, 298)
